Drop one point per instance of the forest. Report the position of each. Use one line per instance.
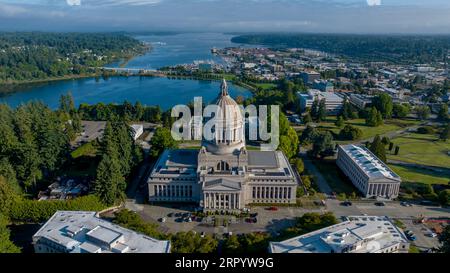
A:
(34, 56)
(401, 49)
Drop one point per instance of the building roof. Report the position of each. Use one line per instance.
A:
(359, 234)
(83, 231)
(372, 166)
(328, 96)
(265, 159)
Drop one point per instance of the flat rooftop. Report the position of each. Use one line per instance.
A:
(83, 231)
(359, 234)
(369, 163)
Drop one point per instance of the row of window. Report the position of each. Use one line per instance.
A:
(271, 192)
(173, 190)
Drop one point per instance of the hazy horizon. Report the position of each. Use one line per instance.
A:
(237, 16)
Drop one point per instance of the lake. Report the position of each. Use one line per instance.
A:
(167, 50)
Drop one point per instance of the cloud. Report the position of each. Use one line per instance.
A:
(374, 2)
(73, 2)
(11, 10)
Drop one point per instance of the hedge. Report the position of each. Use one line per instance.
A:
(38, 211)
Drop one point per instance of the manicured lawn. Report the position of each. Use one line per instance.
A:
(265, 86)
(422, 149)
(338, 182)
(410, 174)
(88, 149)
(368, 132)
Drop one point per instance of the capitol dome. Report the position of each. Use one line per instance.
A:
(229, 126)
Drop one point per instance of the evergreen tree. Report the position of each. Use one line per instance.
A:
(378, 149)
(307, 118)
(109, 185)
(445, 134)
(322, 112)
(339, 121)
(443, 112)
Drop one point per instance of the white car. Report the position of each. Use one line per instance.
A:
(432, 235)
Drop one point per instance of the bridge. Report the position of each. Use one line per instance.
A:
(134, 71)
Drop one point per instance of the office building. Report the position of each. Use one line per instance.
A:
(371, 176)
(84, 232)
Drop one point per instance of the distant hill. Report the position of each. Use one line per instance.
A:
(392, 48)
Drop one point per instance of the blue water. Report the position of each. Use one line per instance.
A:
(148, 90)
(167, 50)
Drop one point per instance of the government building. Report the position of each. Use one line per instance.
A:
(358, 234)
(84, 232)
(223, 174)
(368, 173)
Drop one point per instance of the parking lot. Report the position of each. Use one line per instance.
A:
(267, 220)
(273, 221)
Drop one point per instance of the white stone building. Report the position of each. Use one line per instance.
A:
(371, 176)
(358, 234)
(333, 102)
(223, 175)
(84, 232)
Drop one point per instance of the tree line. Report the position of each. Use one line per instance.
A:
(26, 56)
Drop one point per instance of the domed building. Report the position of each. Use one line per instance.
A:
(223, 175)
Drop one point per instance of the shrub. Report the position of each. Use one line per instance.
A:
(38, 211)
(425, 130)
(350, 133)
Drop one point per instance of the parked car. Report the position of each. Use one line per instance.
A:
(272, 208)
(431, 234)
(380, 204)
(170, 214)
(162, 220)
(202, 234)
(346, 203)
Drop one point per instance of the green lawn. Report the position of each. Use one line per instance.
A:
(265, 86)
(415, 175)
(422, 149)
(368, 132)
(88, 149)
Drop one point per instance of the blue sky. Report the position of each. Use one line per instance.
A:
(340, 16)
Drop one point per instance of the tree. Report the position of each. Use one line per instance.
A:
(401, 110)
(422, 112)
(322, 111)
(307, 118)
(315, 109)
(308, 135)
(323, 145)
(444, 197)
(6, 246)
(378, 149)
(347, 110)
(383, 103)
(374, 118)
(161, 140)
(385, 140)
(309, 222)
(339, 121)
(444, 240)
(231, 245)
(443, 112)
(445, 134)
(289, 143)
(109, 184)
(350, 133)
(299, 165)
